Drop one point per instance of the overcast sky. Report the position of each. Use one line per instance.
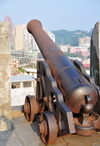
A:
(53, 14)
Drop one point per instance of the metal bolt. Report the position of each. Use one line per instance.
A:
(38, 79)
(41, 128)
(45, 99)
(26, 108)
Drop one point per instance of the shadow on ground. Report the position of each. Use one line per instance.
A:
(5, 135)
(24, 133)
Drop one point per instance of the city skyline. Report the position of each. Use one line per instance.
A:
(54, 15)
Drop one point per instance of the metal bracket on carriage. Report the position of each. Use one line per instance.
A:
(86, 124)
(90, 79)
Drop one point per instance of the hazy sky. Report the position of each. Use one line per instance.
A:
(53, 14)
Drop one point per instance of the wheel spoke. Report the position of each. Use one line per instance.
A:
(27, 108)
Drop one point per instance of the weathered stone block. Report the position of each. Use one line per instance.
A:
(95, 54)
(95, 59)
(5, 76)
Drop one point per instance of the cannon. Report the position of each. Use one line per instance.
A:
(66, 95)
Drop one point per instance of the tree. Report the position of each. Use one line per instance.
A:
(22, 70)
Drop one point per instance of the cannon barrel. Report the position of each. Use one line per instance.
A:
(78, 93)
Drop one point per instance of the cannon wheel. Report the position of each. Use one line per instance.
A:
(30, 108)
(48, 128)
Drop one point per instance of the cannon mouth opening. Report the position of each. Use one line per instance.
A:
(33, 24)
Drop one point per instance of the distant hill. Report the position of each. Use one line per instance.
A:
(65, 37)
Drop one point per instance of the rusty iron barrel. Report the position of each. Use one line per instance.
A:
(50, 51)
(78, 93)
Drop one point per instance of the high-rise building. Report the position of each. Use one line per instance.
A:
(8, 19)
(19, 37)
(23, 40)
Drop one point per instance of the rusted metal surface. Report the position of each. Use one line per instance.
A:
(48, 128)
(63, 89)
(31, 107)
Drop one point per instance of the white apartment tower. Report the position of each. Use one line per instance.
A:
(50, 34)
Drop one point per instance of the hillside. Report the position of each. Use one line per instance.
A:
(65, 37)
